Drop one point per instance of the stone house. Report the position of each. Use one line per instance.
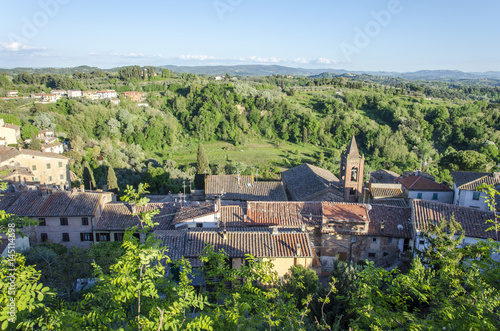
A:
(65, 217)
(418, 185)
(47, 168)
(9, 133)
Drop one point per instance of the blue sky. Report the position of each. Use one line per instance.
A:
(390, 35)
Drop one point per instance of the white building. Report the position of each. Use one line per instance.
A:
(465, 184)
(75, 94)
(419, 186)
(204, 215)
(107, 94)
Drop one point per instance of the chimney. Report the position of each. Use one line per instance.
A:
(19, 149)
(299, 249)
(134, 208)
(275, 231)
(224, 235)
(303, 228)
(245, 218)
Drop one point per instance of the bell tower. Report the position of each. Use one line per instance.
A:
(352, 167)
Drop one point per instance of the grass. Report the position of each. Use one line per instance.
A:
(253, 153)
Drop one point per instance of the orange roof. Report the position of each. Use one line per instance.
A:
(422, 184)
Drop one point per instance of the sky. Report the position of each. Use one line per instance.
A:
(370, 35)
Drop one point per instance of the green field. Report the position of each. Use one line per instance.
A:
(253, 153)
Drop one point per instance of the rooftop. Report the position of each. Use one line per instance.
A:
(118, 216)
(62, 203)
(383, 176)
(473, 221)
(305, 180)
(420, 183)
(244, 188)
(396, 221)
(190, 212)
(468, 180)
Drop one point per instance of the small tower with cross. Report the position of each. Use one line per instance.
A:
(351, 171)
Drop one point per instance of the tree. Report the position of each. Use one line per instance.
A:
(202, 166)
(88, 177)
(35, 143)
(112, 181)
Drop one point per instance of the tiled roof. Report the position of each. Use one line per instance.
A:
(194, 211)
(464, 177)
(383, 176)
(345, 211)
(396, 221)
(466, 180)
(385, 192)
(259, 242)
(234, 215)
(118, 216)
(12, 126)
(7, 199)
(33, 203)
(420, 183)
(473, 221)
(305, 180)
(7, 171)
(284, 213)
(390, 202)
(245, 189)
(8, 153)
(174, 240)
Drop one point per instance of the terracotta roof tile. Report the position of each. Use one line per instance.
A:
(396, 221)
(193, 211)
(283, 213)
(466, 180)
(306, 180)
(384, 192)
(383, 176)
(473, 221)
(63, 203)
(422, 184)
(245, 189)
(118, 216)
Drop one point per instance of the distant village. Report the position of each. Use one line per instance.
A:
(310, 217)
(55, 95)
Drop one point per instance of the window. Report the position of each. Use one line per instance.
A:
(65, 236)
(42, 222)
(64, 220)
(385, 253)
(43, 237)
(374, 240)
(85, 221)
(48, 165)
(199, 225)
(102, 237)
(60, 164)
(33, 167)
(50, 178)
(476, 195)
(61, 176)
(372, 255)
(36, 179)
(86, 236)
(419, 195)
(118, 236)
(434, 196)
(421, 242)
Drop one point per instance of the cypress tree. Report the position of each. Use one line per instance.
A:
(112, 181)
(88, 177)
(202, 166)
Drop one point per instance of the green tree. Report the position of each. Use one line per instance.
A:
(88, 177)
(111, 180)
(35, 143)
(202, 166)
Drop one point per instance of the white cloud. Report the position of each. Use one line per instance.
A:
(15, 47)
(196, 57)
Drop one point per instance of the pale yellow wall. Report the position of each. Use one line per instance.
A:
(41, 172)
(282, 265)
(9, 135)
